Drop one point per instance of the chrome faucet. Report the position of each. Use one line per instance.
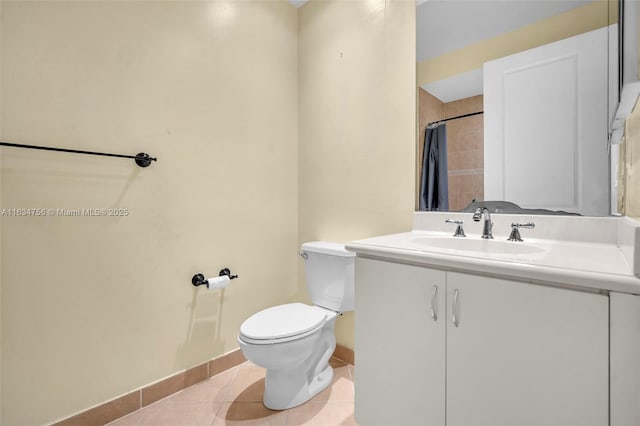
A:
(483, 213)
(515, 233)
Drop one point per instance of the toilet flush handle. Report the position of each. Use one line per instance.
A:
(303, 255)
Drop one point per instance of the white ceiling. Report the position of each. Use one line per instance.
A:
(459, 86)
(446, 25)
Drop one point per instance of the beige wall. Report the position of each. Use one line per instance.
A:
(0, 220)
(585, 18)
(356, 122)
(629, 194)
(93, 307)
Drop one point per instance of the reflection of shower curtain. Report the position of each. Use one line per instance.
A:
(434, 187)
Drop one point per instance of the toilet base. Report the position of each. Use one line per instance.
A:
(289, 388)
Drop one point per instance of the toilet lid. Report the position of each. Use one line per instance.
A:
(283, 321)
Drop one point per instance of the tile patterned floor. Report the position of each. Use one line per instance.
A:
(234, 397)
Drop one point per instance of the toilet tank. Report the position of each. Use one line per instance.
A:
(329, 273)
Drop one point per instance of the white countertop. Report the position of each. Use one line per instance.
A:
(593, 260)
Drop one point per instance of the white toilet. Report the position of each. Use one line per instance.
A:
(295, 341)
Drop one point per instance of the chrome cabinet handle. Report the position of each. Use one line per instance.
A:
(434, 315)
(454, 307)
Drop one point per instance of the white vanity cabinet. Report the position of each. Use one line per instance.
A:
(515, 353)
(400, 346)
(526, 354)
(625, 359)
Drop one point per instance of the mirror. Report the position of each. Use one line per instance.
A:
(535, 84)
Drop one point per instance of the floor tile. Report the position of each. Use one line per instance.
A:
(248, 384)
(340, 389)
(234, 397)
(249, 414)
(132, 419)
(322, 414)
(170, 413)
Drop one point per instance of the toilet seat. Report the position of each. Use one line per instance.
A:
(283, 323)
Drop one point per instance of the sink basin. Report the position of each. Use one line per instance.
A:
(478, 246)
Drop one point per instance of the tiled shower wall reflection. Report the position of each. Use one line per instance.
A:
(465, 145)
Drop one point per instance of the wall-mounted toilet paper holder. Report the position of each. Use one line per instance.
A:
(199, 279)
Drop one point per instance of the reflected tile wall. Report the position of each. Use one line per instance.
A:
(465, 145)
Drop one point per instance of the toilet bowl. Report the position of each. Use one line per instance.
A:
(297, 365)
(295, 341)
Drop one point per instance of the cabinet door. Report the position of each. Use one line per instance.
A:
(524, 354)
(625, 359)
(400, 355)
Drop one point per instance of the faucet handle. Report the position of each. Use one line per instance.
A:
(459, 229)
(515, 232)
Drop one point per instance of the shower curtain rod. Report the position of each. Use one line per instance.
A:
(142, 159)
(454, 118)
